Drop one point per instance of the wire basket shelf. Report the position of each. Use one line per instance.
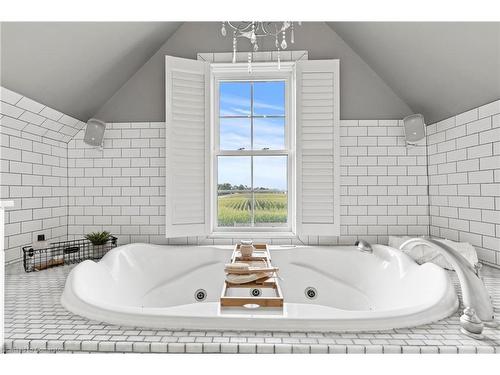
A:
(65, 252)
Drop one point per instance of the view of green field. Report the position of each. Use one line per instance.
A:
(235, 209)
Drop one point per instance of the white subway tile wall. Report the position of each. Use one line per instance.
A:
(23, 114)
(464, 173)
(65, 188)
(33, 170)
(383, 184)
(122, 187)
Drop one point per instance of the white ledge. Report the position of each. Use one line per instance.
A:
(5, 204)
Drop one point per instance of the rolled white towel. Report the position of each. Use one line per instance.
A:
(423, 254)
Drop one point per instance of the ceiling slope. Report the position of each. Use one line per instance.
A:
(364, 95)
(439, 69)
(75, 67)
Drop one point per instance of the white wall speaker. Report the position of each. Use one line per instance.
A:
(414, 128)
(94, 133)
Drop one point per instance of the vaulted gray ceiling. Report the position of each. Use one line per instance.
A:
(388, 70)
(439, 69)
(75, 67)
(364, 95)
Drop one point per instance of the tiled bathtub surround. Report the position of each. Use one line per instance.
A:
(464, 171)
(33, 170)
(35, 321)
(121, 188)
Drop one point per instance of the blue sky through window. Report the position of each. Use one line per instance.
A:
(269, 98)
(269, 171)
(235, 169)
(268, 115)
(269, 132)
(235, 133)
(235, 99)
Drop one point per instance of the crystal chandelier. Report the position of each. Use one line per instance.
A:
(255, 32)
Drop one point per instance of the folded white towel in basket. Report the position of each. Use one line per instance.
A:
(423, 254)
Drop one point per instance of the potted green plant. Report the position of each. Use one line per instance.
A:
(99, 241)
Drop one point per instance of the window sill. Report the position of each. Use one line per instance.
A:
(245, 235)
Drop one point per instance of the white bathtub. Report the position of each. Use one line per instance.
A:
(154, 286)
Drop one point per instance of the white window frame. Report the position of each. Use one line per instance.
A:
(264, 71)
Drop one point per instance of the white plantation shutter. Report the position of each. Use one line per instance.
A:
(318, 148)
(187, 143)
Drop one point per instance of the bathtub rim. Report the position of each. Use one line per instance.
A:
(156, 317)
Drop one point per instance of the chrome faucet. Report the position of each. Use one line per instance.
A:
(364, 246)
(478, 310)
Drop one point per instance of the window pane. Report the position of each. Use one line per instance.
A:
(234, 98)
(234, 196)
(269, 98)
(269, 133)
(270, 190)
(235, 133)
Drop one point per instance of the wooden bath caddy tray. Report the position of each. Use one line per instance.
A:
(260, 258)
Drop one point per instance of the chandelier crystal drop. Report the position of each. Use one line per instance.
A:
(283, 43)
(256, 32)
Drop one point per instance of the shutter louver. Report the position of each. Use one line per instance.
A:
(318, 148)
(187, 137)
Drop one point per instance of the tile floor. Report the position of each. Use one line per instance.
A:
(35, 321)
